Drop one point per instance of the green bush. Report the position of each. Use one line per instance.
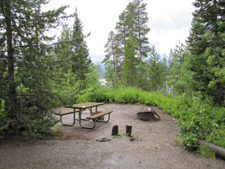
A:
(3, 118)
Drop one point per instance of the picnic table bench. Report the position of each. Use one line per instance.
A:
(66, 113)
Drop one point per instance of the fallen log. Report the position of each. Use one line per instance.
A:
(220, 152)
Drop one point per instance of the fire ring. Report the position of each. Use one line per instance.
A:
(148, 115)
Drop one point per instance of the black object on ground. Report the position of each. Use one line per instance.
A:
(128, 130)
(148, 115)
(115, 130)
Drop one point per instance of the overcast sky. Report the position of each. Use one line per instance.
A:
(169, 21)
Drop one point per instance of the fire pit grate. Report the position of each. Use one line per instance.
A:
(148, 115)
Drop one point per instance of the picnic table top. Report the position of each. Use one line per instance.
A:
(86, 105)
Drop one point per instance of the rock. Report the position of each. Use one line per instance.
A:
(180, 143)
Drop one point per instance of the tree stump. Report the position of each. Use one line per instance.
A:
(128, 130)
(115, 130)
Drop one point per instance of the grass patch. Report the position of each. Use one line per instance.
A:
(206, 152)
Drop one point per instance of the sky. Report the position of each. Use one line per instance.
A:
(169, 21)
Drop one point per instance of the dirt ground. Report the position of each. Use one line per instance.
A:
(153, 145)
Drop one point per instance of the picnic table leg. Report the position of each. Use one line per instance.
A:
(104, 121)
(90, 109)
(68, 124)
(101, 116)
(79, 116)
(96, 109)
(86, 127)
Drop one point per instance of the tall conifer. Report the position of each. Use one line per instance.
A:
(207, 17)
(130, 68)
(27, 49)
(80, 59)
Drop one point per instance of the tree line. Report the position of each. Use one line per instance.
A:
(129, 59)
(196, 67)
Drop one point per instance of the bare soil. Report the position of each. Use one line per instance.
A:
(153, 146)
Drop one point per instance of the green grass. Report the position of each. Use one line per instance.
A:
(206, 152)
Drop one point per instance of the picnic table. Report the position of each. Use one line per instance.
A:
(79, 108)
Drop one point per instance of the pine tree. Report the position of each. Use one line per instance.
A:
(72, 53)
(130, 73)
(163, 72)
(81, 59)
(63, 53)
(121, 28)
(154, 70)
(118, 52)
(180, 77)
(110, 50)
(146, 79)
(23, 26)
(207, 17)
(141, 30)
(110, 76)
(133, 21)
(113, 53)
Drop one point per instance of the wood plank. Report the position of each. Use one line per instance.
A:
(99, 115)
(67, 112)
(87, 105)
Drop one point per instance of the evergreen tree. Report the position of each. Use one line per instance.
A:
(72, 54)
(118, 52)
(110, 76)
(216, 59)
(110, 50)
(130, 68)
(141, 30)
(146, 79)
(163, 72)
(80, 58)
(130, 20)
(207, 17)
(133, 21)
(155, 82)
(26, 48)
(180, 77)
(121, 28)
(63, 53)
(113, 53)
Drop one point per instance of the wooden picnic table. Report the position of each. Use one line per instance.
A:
(79, 108)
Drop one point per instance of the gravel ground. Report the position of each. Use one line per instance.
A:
(152, 147)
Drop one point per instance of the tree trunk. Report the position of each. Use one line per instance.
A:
(11, 78)
(141, 69)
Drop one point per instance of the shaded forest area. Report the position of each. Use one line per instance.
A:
(39, 72)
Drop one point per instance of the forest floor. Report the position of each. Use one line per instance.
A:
(154, 145)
